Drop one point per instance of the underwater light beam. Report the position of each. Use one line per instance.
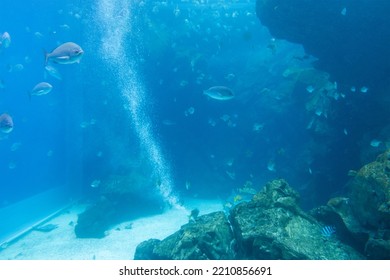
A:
(114, 19)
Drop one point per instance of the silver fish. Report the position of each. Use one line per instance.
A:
(375, 143)
(52, 72)
(5, 40)
(95, 183)
(219, 93)
(41, 89)
(66, 53)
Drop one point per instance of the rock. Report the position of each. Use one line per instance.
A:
(120, 200)
(378, 249)
(272, 226)
(350, 47)
(95, 220)
(338, 213)
(144, 250)
(370, 193)
(209, 238)
(363, 218)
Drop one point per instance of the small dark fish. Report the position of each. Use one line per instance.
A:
(219, 93)
(6, 123)
(66, 53)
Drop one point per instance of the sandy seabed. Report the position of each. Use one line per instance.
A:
(119, 243)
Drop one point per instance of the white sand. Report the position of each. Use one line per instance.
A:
(119, 244)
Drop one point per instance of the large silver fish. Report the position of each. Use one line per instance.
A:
(66, 53)
(219, 93)
(6, 123)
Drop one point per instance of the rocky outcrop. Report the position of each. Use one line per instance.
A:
(363, 217)
(370, 193)
(338, 213)
(209, 238)
(120, 199)
(270, 226)
(273, 226)
(370, 204)
(348, 37)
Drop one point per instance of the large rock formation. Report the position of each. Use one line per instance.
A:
(363, 218)
(349, 37)
(270, 226)
(120, 199)
(370, 193)
(209, 238)
(273, 226)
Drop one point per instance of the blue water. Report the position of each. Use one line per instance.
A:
(34, 156)
(134, 103)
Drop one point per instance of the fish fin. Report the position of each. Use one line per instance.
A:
(46, 54)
